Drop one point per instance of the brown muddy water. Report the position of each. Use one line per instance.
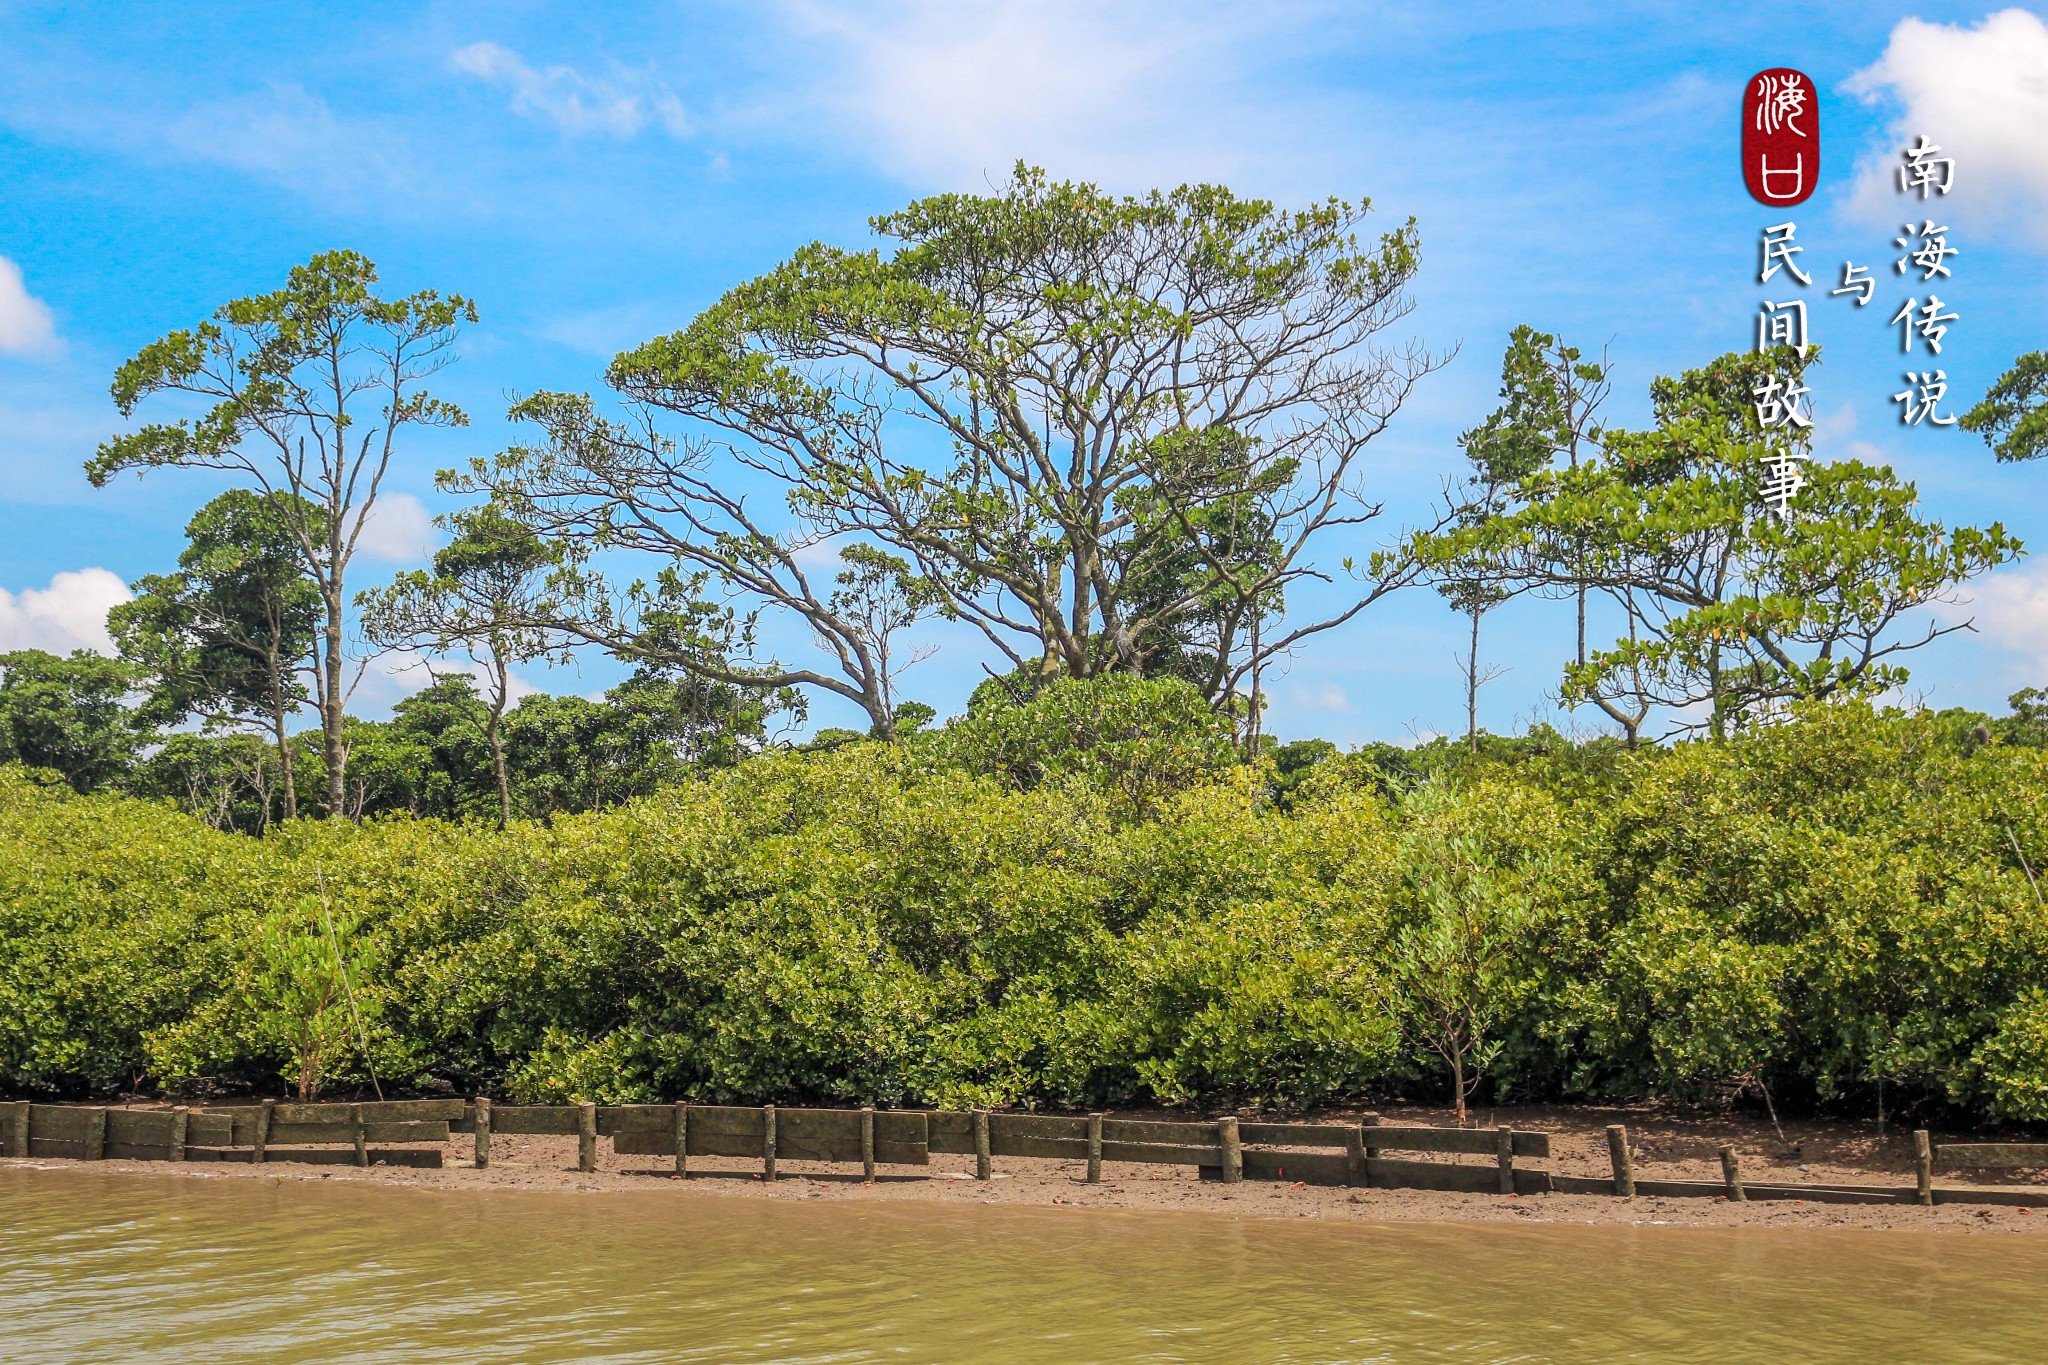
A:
(115, 1267)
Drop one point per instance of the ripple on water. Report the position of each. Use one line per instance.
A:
(115, 1266)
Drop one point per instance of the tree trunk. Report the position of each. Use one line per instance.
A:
(1472, 688)
(331, 747)
(279, 722)
(495, 733)
(1458, 1082)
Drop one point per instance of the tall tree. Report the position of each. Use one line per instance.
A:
(2013, 415)
(482, 599)
(226, 637)
(311, 387)
(1732, 608)
(1034, 399)
(1549, 413)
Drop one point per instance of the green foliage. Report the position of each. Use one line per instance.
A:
(1730, 606)
(2013, 415)
(67, 715)
(1806, 911)
(1137, 740)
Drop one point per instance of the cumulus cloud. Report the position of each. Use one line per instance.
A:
(69, 614)
(26, 327)
(399, 530)
(1980, 92)
(619, 105)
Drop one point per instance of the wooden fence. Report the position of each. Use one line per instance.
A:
(1225, 1149)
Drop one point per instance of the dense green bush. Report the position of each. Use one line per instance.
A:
(1808, 911)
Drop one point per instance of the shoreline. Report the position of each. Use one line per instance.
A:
(1670, 1145)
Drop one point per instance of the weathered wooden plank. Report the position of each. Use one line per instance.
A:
(613, 1119)
(1387, 1137)
(59, 1122)
(1294, 1134)
(1169, 1134)
(901, 1128)
(822, 1125)
(586, 1137)
(1053, 1148)
(1713, 1189)
(1162, 1153)
(422, 1158)
(1002, 1126)
(981, 1147)
(553, 1120)
(209, 1129)
(379, 1111)
(723, 1118)
(1387, 1172)
(950, 1130)
(1992, 1155)
(2011, 1197)
(138, 1151)
(14, 1127)
(1459, 1141)
(63, 1149)
(139, 1128)
(307, 1134)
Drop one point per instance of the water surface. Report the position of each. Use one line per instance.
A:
(117, 1267)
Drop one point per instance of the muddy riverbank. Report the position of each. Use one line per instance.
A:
(1670, 1144)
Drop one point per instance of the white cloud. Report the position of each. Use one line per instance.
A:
(1134, 94)
(2010, 606)
(290, 136)
(69, 614)
(399, 530)
(1981, 94)
(26, 327)
(620, 105)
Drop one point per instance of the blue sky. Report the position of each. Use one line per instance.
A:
(594, 175)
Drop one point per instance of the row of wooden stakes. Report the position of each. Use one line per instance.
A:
(1227, 1149)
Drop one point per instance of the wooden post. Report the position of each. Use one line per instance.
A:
(981, 1171)
(1233, 1150)
(1366, 1123)
(355, 1125)
(263, 1116)
(178, 1122)
(867, 1143)
(1095, 1149)
(1504, 1158)
(482, 1126)
(682, 1139)
(17, 1128)
(586, 1137)
(1356, 1173)
(96, 1134)
(1624, 1167)
(1923, 1167)
(1731, 1176)
(767, 1142)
